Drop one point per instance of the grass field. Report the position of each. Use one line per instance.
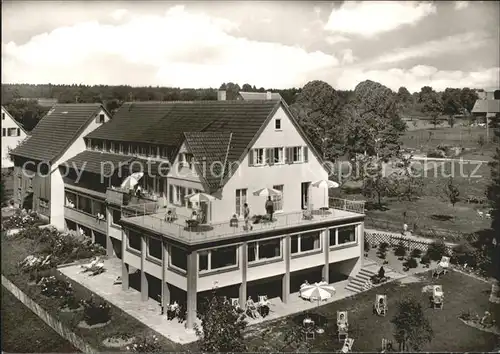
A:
(462, 293)
(24, 332)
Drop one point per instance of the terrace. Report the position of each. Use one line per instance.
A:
(151, 216)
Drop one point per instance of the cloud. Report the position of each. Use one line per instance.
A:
(369, 18)
(446, 45)
(460, 5)
(417, 77)
(178, 48)
(336, 39)
(117, 15)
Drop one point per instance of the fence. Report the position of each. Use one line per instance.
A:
(374, 237)
(55, 324)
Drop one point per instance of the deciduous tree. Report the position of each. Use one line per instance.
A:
(411, 328)
(221, 326)
(452, 192)
(432, 104)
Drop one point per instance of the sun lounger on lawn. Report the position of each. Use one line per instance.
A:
(348, 342)
(381, 305)
(437, 297)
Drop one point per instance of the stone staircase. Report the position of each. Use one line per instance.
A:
(361, 282)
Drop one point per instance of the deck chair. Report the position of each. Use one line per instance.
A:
(348, 342)
(437, 297)
(235, 302)
(310, 334)
(444, 263)
(342, 324)
(87, 267)
(386, 345)
(438, 272)
(381, 305)
(97, 269)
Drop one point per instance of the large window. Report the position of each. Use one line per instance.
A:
(342, 235)
(346, 234)
(70, 199)
(12, 131)
(155, 248)
(178, 257)
(218, 258)
(241, 199)
(278, 155)
(278, 199)
(99, 208)
(134, 241)
(84, 204)
(305, 242)
(264, 250)
(258, 157)
(297, 154)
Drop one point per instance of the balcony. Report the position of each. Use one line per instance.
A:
(85, 219)
(151, 216)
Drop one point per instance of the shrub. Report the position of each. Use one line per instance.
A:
(425, 259)
(464, 253)
(384, 246)
(416, 253)
(436, 250)
(21, 219)
(436, 153)
(410, 263)
(145, 345)
(55, 288)
(382, 254)
(36, 264)
(94, 312)
(400, 250)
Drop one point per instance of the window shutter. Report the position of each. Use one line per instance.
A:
(3, 131)
(287, 155)
(306, 153)
(270, 156)
(250, 157)
(171, 193)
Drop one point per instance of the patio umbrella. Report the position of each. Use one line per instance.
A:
(317, 291)
(200, 197)
(327, 184)
(267, 192)
(132, 180)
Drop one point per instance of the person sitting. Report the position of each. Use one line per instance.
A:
(251, 308)
(306, 283)
(138, 191)
(168, 216)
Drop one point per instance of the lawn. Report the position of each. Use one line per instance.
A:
(15, 250)
(433, 213)
(24, 332)
(462, 293)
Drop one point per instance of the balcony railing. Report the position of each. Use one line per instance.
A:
(119, 196)
(150, 216)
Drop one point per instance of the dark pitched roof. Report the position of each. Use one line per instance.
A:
(57, 130)
(210, 149)
(486, 106)
(98, 162)
(165, 123)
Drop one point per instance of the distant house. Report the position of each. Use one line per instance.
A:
(251, 96)
(12, 134)
(486, 107)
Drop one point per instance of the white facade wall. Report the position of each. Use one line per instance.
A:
(290, 175)
(10, 142)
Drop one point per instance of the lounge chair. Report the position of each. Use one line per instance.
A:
(97, 269)
(348, 342)
(235, 302)
(342, 325)
(88, 266)
(437, 297)
(380, 305)
(444, 263)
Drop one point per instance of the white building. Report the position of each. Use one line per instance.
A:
(12, 134)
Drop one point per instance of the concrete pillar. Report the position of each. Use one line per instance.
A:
(165, 290)
(109, 243)
(285, 291)
(326, 251)
(243, 266)
(144, 278)
(124, 265)
(192, 277)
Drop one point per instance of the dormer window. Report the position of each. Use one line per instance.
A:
(100, 119)
(277, 124)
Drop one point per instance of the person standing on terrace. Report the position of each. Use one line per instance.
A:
(269, 208)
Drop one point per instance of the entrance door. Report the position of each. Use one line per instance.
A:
(304, 194)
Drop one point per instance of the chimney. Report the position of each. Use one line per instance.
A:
(268, 95)
(221, 95)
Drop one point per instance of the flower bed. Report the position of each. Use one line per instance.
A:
(96, 312)
(145, 345)
(22, 219)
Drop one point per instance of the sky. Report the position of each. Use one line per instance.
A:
(267, 44)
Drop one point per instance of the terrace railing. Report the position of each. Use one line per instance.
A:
(354, 206)
(152, 217)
